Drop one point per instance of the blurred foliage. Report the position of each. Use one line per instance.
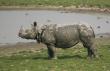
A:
(63, 3)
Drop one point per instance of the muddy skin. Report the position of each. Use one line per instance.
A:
(64, 37)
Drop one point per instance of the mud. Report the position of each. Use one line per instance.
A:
(60, 8)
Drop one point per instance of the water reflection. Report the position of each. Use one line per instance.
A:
(10, 21)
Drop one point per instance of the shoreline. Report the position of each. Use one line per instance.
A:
(56, 8)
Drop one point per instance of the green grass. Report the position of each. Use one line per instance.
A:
(64, 3)
(73, 59)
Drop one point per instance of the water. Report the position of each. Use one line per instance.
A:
(10, 21)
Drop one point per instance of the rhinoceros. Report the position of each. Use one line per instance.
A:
(67, 36)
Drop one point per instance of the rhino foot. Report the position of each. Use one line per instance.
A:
(92, 57)
(53, 58)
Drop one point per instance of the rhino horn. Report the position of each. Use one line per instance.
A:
(21, 32)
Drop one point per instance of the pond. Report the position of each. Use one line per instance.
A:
(11, 21)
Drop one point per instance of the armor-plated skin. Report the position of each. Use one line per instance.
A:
(64, 37)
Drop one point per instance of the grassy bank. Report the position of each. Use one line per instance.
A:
(73, 59)
(63, 3)
(69, 60)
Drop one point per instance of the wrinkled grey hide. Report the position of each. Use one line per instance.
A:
(63, 37)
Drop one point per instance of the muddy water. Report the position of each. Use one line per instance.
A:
(10, 21)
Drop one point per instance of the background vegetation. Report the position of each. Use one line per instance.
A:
(31, 58)
(63, 3)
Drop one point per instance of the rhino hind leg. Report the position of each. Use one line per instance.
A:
(89, 43)
(91, 50)
(51, 51)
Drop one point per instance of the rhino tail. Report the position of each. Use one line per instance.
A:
(93, 31)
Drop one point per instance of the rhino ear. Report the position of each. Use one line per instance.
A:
(35, 23)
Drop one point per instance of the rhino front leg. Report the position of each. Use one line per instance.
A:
(52, 52)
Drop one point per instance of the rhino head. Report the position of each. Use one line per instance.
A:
(29, 33)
